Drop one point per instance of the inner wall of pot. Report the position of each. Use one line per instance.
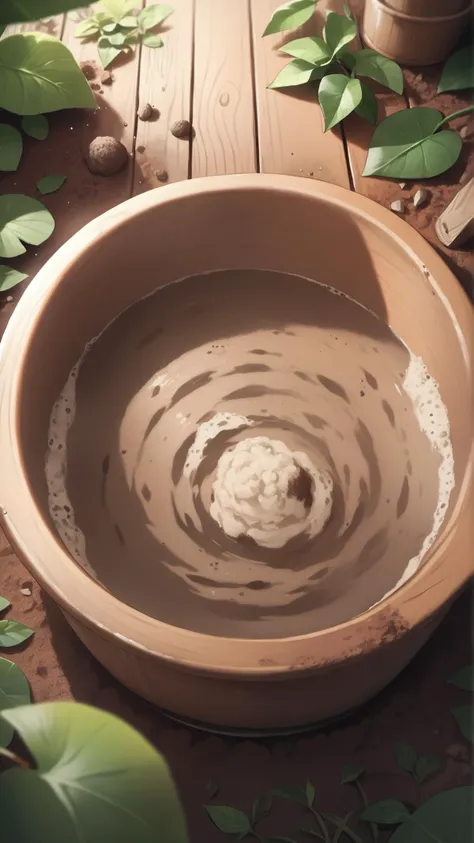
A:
(282, 231)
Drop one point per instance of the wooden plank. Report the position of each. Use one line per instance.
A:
(165, 83)
(456, 224)
(290, 124)
(48, 26)
(223, 110)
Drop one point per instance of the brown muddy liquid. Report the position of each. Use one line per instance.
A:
(308, 367)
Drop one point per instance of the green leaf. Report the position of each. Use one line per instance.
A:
(338, 31)
(446, 818)
(93, 772)
(22, 219)
(152, 16)
(406, 756)
(464, 678)
(11, 148)
(39, 74)
(297, 72)
(291, 792)
(9, 278)
(13, 633)
(312, 50)
(229, 820)
(406, 146)
(109, 28)
(117, 39)
(149, 39)
(351, 772)
(20, 11)
(368, 107)
(14, 690)
(371, 64)
(107, 51)
(458, 72)
(117, 9)
(464, 716)
(386, 812)
(50, 184)
(425, 766)
(36, 126)
(310, 794)
(261, 809)
(4, 603)
(87, 28)
(338, 97)
(290, 16)
(129, 22)
(2, 29)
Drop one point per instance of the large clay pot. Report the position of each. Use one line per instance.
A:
(409, 33)
(299, 226)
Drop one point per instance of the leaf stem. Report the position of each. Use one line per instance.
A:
(453, 116)
(322, 825)
(363, 796)
(12, 756)
(340, 824)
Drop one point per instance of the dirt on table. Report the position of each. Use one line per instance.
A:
(414, 708)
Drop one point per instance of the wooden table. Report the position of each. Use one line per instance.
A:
(213, 70)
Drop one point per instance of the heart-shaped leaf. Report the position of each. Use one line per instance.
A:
(338, 97)
(9, 278)
(14, 690)
(371, 64)
(407, 145)
(93, 772)
(338, 31)
(351, 772)
(11, 148)
(406, 755)
(425, 766)
(20, 11)
(368, 107)
(4, 603)
(50, 184)
(464, 678)
(129, 22)
(40, 74)
(458, 72)
(464, 716)
(36, 126)
(292, 792)
(386, 812)
(290, 16)
(117, 9)
(22, 219)
(87, 28)
(312, 50)
(446, 818)
(152, 16)
(297, 72)
(13, 633)
(149, 39)
(107, 51)
(229, 820)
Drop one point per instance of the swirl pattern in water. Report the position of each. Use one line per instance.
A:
(201, 365)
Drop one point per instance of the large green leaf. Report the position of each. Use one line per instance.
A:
(22, 219)
(96, 778)
(4, 603)
(338, 97)
(39, 74)
(338, 31)
(446, 818)
(406, 145)
(464, 678)
(14, 690)
(13, 633)
(386, 812)
(19, 11)
(368, 107)
(297, 72)
(290, 16)
(312, 50)
(464, 716)
(458, 72)
(152, 16)
(11, 148)
(371, 64)
(229, 820)
(9, 278)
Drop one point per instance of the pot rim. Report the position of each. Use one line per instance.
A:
(85, 599)
(394, 13)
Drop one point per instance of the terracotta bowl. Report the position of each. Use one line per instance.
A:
(278, 223)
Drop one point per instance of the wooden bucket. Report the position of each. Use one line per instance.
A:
(412, 39)
(427, 8)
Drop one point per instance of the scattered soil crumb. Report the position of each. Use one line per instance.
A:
(146, 112)
(106, 156)
(161, 175)
(89, 69)
(95, 86)
(106, 78)
(181, 129)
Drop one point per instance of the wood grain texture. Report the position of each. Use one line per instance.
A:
(223, 109)
(456, 223)
(290, 123)
(165, 83)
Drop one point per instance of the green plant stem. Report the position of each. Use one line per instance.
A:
(341, 829)
(453, 116)
(340, 824)
(12, 756)
(363, 796)
(322, 825)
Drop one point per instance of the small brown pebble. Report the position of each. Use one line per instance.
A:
(464, 132)
(88, 70)
(458, 752)
(106, 78)
(26, 592)
(398, 206)
(106, 156)
(161, 175)
(95, 86)
(146, 112)
(402, 184)
(182, 129)
(421, 197)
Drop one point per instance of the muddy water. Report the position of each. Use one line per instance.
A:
(199, 366)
